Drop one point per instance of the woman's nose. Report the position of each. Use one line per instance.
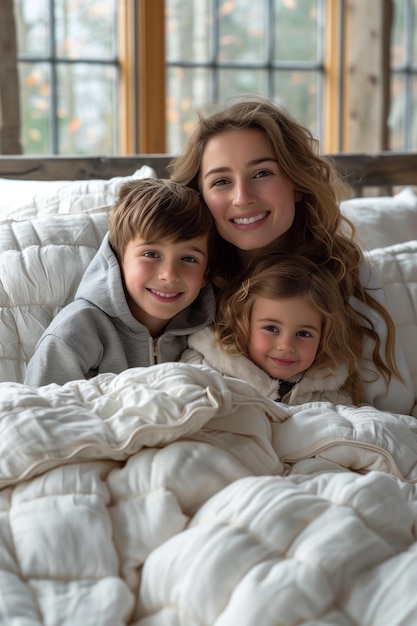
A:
(243, 194)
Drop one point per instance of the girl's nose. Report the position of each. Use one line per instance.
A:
(285, 343)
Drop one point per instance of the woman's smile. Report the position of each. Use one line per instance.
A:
(251, 220)
(252, 201)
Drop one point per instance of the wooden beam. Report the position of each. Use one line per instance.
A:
(333, 84)
(367, 72)
(128, 122)
(387, 169)
(9, 86)
(79, 168)
(151, 29)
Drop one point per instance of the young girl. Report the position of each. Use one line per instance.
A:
(282, 326)
(268, 189)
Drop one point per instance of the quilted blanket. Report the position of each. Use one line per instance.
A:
(172, 495)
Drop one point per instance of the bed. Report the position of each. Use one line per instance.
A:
(171, 495)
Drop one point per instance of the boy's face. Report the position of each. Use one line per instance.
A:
(162, 278)
(284, 336)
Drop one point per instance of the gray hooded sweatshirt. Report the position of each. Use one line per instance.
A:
(97, 332)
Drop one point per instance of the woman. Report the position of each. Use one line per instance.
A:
(269, 189)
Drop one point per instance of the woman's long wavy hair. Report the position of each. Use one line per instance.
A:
(319, 231)
(278, 276)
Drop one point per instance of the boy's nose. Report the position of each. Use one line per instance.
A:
(169, 272)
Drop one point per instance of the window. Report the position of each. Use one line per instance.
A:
(403, 113)
(68, 69)
(218, 49)
(125, 76)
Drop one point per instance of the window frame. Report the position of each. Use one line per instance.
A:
(141, 31)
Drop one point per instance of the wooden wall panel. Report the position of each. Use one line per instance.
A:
(9, 87)
(366, 79)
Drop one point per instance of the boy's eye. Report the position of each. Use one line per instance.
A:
(151, 254)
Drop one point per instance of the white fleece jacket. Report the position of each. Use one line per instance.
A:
(315, 386)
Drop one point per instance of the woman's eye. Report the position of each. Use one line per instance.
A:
(219, 182)
(262, 173)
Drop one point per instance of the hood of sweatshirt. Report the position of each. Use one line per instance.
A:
(239, 366)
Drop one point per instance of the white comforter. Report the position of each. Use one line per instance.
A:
(174, 496)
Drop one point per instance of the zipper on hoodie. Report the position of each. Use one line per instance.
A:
(153, 350)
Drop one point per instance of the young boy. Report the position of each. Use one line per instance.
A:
(143, 293)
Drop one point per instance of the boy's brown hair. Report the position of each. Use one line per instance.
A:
(159, 208)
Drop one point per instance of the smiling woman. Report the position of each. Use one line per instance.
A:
(269, 189)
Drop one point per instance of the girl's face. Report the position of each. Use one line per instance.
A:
(284, 335)
(251, 200)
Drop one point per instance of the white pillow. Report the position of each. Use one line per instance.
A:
(42, 260)
(22, 199)
(383, 221)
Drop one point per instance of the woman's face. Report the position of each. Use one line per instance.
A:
(251, 200)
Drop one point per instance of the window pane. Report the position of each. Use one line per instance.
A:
(252, 41)
(85, 29)
(242, 31)
(297, 92)
(397, 112)
(414, 33)
(35, 105)
(188, 30)
(188, 90)
(32, 26)
(241, 82)
(296, 30)
(87, 110)
(72, 107)
(398, 40)
(413, 134)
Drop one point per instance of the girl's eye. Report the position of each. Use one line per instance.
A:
(190, 259)
(271, 329)
(303, 333)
